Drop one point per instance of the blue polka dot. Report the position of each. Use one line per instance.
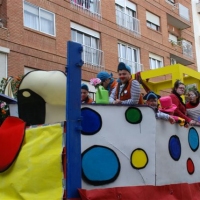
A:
(193, 139)
(91, 122)
(175, 147)
(100, 165)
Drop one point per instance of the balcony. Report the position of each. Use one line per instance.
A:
(93, 58)
(91, 7)
(186, 50)
(180, 17)
(181, 60)
(135, 66)
(128, 22)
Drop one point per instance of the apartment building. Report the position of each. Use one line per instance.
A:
(145, 34)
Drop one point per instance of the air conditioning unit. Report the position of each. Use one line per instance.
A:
(172, 61)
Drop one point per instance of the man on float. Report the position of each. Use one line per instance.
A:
(127, 90)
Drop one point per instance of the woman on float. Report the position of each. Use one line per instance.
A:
(180, 111)
(193, 97)
(193, 106)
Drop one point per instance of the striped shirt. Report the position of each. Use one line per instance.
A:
(194, 113)
(135, 93)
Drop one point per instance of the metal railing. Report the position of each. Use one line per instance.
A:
(135, 66)
(93, 58)
(186, 48)
(91, 7)
(183, 11)
(128, 22)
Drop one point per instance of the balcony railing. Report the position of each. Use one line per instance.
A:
(187, 50)
(186, 47)
(91, 7)
(183, 11)
(128, 22)
(93, 58)
(135, 66)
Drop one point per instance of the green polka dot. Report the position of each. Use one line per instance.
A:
(133, 115)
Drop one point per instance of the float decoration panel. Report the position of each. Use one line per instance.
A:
(37, 171)
(126, 146)
(118, 146)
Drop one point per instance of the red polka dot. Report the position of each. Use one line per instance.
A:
(190, 166)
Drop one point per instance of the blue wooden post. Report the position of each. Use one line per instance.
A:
(73, 117)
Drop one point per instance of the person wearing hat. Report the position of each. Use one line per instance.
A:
(127, 90)
(85, 98)
(107, 81)
(152, 100)
(168, 107)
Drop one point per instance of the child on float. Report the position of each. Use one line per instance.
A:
(107, 81)
(152, 100)
(166, 106)
(85, 98)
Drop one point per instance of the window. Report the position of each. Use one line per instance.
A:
(153, 21)
(126, 16)
(131, 56)
(93, 6)
(91, 45)
(3, 62)
(155, 61)
(39, 19)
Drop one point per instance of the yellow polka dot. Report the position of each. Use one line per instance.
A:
(139, 158)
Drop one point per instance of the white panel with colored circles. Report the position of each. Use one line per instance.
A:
(128, 146)
(177, 154)
(116, 137)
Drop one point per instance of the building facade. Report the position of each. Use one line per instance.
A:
(145, 34)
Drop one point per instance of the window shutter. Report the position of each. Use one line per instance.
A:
(84, 30)
(152, 18)
(120, 2)
(151, 55)
(130, 5)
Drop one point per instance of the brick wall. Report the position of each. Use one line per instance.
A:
(38, 50)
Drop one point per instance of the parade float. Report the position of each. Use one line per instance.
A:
(59, 149)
